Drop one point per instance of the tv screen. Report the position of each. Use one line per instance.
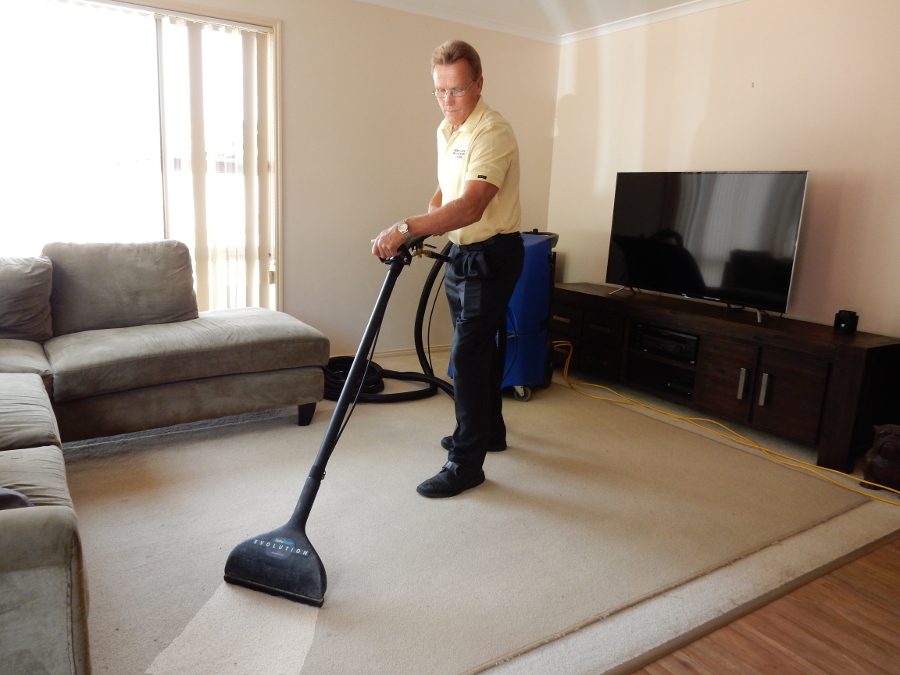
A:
(728, 236)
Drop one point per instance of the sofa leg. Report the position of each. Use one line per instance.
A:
(305, 414)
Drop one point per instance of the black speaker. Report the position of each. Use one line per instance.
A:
(846, 321)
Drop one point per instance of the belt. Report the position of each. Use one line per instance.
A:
(481, 245)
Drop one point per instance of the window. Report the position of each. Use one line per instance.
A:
(125, 123)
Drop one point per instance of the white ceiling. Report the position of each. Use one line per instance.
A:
(556, 21)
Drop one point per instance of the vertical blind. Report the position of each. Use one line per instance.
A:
(132, 124)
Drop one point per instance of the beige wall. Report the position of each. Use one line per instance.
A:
(758, 85)
(359, 149)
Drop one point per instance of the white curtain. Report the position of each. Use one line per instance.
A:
(129, 124)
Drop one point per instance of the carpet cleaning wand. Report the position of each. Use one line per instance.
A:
(283, 562)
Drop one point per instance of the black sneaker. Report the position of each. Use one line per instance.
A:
(451, 480)
(447, 444)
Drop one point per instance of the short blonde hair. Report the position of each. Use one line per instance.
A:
(454, 51)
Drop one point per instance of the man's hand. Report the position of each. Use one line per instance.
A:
(441, 218)
(387, 244)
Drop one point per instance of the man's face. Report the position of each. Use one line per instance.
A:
(457, 76)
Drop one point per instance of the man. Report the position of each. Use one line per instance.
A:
(477, 205)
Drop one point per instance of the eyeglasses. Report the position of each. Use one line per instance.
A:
(455, 93)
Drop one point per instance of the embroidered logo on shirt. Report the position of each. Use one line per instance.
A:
(459, 153)
(482, 177)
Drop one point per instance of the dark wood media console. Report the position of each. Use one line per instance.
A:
(798, 380)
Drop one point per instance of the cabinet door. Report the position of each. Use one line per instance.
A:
(602, 328)
(790, 391)
(566, 320)
(603, 361)
(724, 381)
(601, 344)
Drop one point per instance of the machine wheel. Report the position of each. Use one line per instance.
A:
(522, 393)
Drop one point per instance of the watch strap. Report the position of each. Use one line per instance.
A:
(403, 228)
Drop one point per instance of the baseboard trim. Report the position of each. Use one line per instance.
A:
(434, 349)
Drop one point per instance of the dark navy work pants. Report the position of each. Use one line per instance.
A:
(479, 281)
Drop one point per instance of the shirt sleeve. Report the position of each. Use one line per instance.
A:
(491, 152)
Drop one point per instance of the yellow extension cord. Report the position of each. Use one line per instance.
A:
(731, 435)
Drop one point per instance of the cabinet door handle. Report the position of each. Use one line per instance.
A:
(562, 319)
(741, 383)
(763, 387)
(599, 329)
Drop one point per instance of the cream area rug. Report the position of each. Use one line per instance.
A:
(593, 511)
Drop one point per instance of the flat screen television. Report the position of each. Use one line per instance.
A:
(726, 236)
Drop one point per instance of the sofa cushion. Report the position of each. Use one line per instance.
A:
(26, 416)
(117, 285)
(24, 356)
(25, 285)
(37, 473)
(218, 342)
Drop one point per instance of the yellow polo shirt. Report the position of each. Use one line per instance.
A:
(483, 148)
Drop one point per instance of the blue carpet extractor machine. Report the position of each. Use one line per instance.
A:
(528, 354)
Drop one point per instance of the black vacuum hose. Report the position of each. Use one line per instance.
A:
(373, 379)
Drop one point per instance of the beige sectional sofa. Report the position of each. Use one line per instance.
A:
(104, 339)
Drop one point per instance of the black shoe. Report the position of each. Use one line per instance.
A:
(447, 444)
(451, 480)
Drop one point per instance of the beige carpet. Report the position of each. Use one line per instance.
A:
(593, 510)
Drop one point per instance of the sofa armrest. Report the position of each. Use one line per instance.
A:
(38, 536)
(43, 594)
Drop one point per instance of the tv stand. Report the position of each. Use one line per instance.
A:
(795, 379)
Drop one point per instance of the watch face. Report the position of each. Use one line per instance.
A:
(404, 229)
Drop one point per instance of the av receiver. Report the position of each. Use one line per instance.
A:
(663, 342)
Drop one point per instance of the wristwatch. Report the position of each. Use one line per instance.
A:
(403, 229)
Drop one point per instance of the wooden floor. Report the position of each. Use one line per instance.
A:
(845, 623)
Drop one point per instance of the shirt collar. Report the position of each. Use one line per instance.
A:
(471, 121)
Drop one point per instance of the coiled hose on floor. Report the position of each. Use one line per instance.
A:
(373, 379)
